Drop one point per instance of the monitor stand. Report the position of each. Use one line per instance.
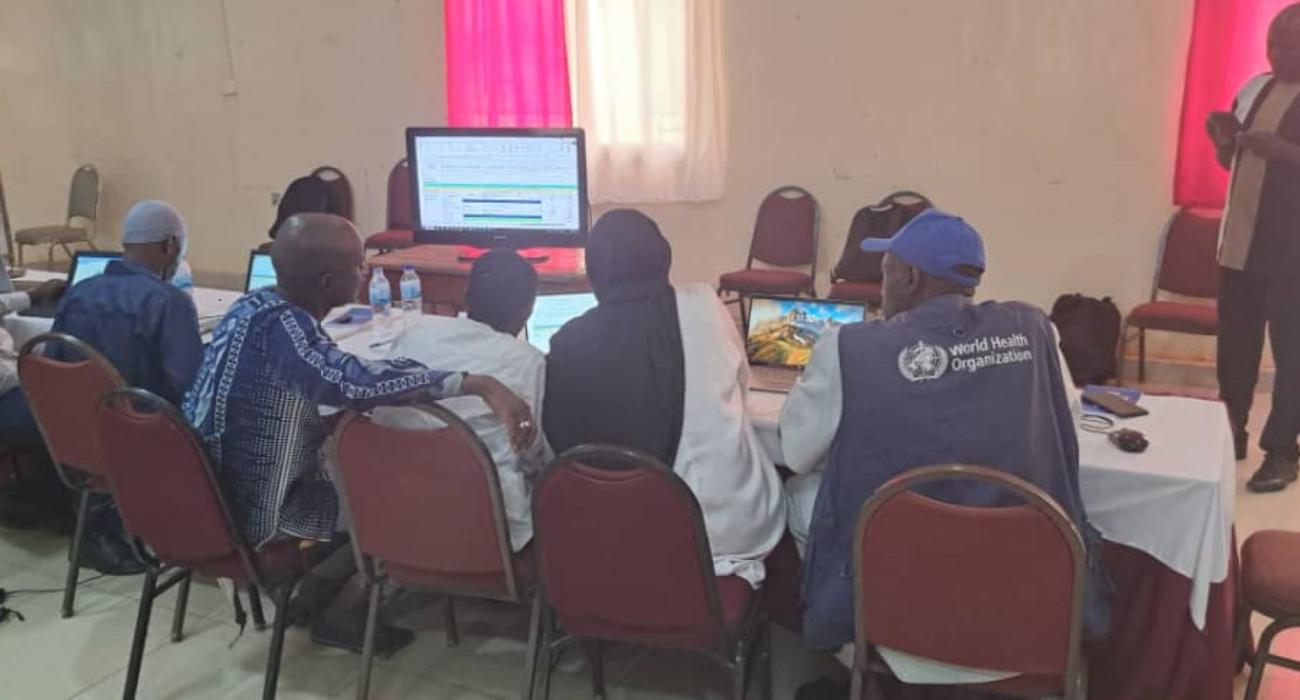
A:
(469, 253)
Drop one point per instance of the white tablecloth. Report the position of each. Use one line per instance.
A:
(1174, 501)
(210, 303)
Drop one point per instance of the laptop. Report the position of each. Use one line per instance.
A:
(782, 332)
(551, 312)
(85, 264)
(261, 273)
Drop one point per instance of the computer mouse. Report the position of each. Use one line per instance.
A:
(1129, 440)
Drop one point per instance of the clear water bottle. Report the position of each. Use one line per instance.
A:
(381, 295)
(412, 303)
(183, 278)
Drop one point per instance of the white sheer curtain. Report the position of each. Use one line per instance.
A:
(647, 82)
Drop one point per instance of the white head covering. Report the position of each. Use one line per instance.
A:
(153, 221)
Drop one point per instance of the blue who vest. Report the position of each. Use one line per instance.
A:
(946, 382)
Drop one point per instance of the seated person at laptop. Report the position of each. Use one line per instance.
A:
(269, 370)
(498, 301)
(146, 327)
(942, 380)
(131, 314)
(664, 371)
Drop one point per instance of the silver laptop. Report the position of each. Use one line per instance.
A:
(782, 332)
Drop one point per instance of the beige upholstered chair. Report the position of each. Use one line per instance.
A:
(83, 210)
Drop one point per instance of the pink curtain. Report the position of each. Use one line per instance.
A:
(506, 63)
(1229, 43)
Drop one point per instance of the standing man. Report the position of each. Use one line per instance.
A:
(1259, 253)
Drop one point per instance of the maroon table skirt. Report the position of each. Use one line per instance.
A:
(1153, 652)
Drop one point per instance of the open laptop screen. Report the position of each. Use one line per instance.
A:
(87, 264)
(551, 311)
(261, 273)
(782, 332)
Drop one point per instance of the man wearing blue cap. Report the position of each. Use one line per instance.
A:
(146, 327)
(941, 380)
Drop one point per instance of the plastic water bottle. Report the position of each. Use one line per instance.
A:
(412, 303)
(381, 295)
(183, 278)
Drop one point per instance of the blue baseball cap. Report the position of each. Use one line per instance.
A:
(938, 244)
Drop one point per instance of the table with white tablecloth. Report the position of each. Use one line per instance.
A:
(210, 302)
(1167, 516)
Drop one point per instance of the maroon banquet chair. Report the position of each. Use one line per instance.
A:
(64, 398)
(425, 511)
(997, 588)
(1270, 574)
(784, 241)
(340, 191)
(623, 557)
(1187, 265)
(170, 499)
(401, 215)
(857, 276)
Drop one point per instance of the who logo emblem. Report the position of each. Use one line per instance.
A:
(922, 362)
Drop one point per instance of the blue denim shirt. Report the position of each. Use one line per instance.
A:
(146, 327)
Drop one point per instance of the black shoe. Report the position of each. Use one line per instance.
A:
(388, 640)
(1275, 473)
(109, 555)
(1240, 444)
(823, 689)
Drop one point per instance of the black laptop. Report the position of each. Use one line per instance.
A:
(85, 264)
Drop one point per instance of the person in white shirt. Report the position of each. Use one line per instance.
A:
(499, 300)
(663, 371)
(17, 426)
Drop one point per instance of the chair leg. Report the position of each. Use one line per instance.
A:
(1261, 656)
(1142, 355)
(255, 607)
(182, 602)
(534, 631)
(449, 618)
(74, 553)
(765, 671)
(545, 642)
(368, 646)
(277, 641)
(596, 652)
(141, 631)
(740, 671)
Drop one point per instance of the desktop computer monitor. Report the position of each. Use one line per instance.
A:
(492, 188)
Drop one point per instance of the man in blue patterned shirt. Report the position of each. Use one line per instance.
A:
(271, 366)
(257, 399)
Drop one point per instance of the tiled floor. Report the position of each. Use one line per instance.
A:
(47, 657)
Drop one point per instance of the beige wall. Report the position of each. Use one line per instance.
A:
(1050, 125)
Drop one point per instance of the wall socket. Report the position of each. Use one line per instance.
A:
(275, 199)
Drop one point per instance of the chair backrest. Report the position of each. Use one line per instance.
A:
(426, 504)
(340, 191)
(997, 588)
(64, 398)
(785, 230)
(4, 225)
(401, 216)
(1188, 263)
(83, 194)
(880, 220)
(163, 483)
(622, 550)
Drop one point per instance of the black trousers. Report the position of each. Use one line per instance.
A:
(1247, 304)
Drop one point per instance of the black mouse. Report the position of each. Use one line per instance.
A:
(1129, 440)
